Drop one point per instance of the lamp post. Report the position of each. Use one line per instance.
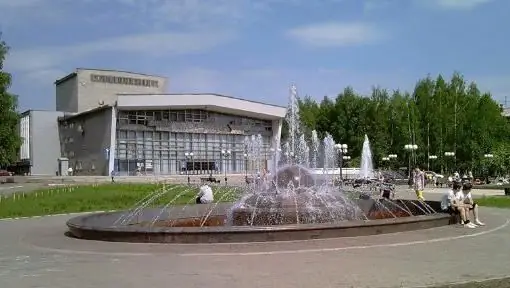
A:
(225, 154)
(431, 157)
(346, 158)
(188, 155)
(246, 167)
(410, 148)
(448, 154)
(488, 157)
(392, 157)
(385, 160)
(342, 149)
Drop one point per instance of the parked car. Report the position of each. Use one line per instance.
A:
(5, 173)
(432, 174)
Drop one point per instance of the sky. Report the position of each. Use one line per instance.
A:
(255, 49)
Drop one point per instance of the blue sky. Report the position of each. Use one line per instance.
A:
(256, 49)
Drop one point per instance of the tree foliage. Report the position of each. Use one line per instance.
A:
(9, 136)
(439, 116)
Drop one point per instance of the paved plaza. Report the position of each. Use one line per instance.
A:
(35, 253)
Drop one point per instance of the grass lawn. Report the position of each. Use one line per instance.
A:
(491, 186)
(494, 201)
(102, 197)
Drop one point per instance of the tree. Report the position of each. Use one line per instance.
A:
(10, 140)
(439, 116)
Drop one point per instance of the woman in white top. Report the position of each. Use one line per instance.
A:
(470, 205)
(451, 203)
(205, 195)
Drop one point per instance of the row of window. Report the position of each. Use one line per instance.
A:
(130, 136)
(166, 166)
(143, 116)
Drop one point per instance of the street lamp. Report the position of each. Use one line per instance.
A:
(385, 159)
(431, 157)
(225, 154)
(188, 155)
(392, 157)
(342, 149)
(246, 166)
(488, 157)
(410, 148)
(448, 154)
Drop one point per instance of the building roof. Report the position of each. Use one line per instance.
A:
(71, 115)
(73, 74)
(212, 102)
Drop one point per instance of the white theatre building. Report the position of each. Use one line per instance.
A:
(125, 122)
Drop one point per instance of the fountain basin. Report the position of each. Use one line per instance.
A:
(180, 226)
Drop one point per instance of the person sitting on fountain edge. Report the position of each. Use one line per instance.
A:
(451, 203)
(205, 195)
(469, 204)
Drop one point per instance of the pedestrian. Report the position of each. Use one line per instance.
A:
(419, 183)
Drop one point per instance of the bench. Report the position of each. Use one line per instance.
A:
(248, 180)
(209, 180)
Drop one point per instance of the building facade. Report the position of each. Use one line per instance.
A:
(171, 134)
(40, 146)
(122, 122)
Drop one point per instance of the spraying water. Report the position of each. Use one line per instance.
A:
(291, 194)
(367, 167)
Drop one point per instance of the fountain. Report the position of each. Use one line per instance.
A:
(367, 167)
(292, 204)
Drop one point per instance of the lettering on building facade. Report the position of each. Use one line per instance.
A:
(124, 80)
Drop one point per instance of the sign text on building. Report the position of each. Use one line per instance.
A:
(123, 80)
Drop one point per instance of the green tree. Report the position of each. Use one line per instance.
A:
(9, 138)
(439, 115)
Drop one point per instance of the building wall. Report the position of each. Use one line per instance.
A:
(156, 142)
(66, 95)
(84, 140)
(24, 130)
(44, 142)
(92, 88)
(93, 91)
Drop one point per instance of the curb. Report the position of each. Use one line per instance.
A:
(53, 215)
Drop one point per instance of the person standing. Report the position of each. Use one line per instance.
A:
(419, 183)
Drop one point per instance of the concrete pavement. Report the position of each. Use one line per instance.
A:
(35, 253)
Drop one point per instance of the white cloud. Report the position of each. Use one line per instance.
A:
(148, 44)
(335, 34)
(454, 4)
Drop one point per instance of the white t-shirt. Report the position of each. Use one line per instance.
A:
(448, 197)
(206, 194)
(465, 197)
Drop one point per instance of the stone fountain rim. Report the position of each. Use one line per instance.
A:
(80, 223)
